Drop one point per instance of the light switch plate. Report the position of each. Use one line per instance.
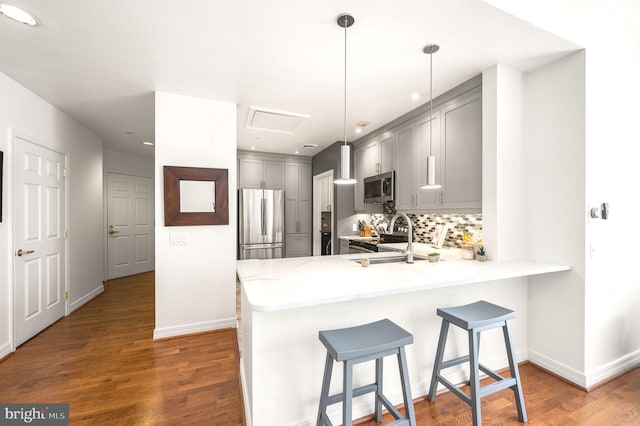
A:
(178, 239)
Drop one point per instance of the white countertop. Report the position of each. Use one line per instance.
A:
(278, 284)
(358, 237)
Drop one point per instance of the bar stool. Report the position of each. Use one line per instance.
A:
(475, 318)
(359, 344)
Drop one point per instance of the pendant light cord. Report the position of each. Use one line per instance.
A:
(345, 79)
(431, 104)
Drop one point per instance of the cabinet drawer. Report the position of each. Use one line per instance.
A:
(298, 245)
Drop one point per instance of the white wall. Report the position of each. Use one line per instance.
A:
(554, 130)
(611, 287)
(195, 283)
(30, 115)
(503, 174)
(128, 164)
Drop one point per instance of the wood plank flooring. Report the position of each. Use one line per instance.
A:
(103, 362)
(549, 401)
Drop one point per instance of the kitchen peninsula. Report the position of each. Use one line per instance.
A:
(285, 302)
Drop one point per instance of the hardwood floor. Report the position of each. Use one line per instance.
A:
(103, 362)
(549, 401)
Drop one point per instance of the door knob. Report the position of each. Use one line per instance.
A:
(20, 252)
(112, 231)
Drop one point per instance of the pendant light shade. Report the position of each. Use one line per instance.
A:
(430, 49)
(345, 21)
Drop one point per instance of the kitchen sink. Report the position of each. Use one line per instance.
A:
(389, 259)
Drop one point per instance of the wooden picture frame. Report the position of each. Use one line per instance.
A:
(175, 177)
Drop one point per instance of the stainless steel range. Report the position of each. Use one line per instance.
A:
(371, 245)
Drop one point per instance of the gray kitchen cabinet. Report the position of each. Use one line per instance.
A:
(457, 146)
(256, 172)
(298, 212)
(372, 157)
(462, 154)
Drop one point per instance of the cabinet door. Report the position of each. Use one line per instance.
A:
(249, 173)
(427, 198)
(370, 163)
(291, 181)
(358, 162)
(405, 188)
(462, 181)
(387, 153)
(273, 175)
(304, 198)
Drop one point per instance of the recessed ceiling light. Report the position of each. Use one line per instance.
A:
(297, 153)
(253, 148)
(149, 143)
(415, 96)
(358, 129)
(18, 15)
(362, 123)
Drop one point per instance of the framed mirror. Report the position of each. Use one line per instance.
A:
(195, 196)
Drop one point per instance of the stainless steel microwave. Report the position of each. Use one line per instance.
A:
(379, 188)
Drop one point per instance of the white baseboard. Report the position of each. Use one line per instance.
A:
(86, 298)
(180, 330)
(574, 376)
(5, 350)
(247, 407)
(613, 369)
(594, 376)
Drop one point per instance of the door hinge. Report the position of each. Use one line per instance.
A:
(66, 295)
(66, 234)
(66, 173)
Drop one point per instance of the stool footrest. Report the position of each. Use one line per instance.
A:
(389, 406)
(496, 386)
(334, 399)
(453, 388)
(454, 362)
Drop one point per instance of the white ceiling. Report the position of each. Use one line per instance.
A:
(101, 60)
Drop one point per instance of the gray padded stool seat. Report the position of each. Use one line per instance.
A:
(474, 318)
(359, 344)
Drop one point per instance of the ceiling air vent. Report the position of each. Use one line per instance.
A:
(310, 145)
(274, 121)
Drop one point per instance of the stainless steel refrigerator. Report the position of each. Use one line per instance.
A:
(260, 223)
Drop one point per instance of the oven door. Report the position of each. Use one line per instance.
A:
(358, 247)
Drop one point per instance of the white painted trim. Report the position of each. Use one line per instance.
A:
(245, 391)
(6, 349)
(180, 330)
(564, 371)
(86, 298)
(613, 368)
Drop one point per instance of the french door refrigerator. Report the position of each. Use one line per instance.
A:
(260, 223)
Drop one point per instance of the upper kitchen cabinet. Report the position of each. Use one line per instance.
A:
(413, 150)
(461, 158)
(260, 172)
(372, 157)
(456, 143)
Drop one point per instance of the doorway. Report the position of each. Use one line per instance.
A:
(39, 244)
(130, 225)
(323, 214)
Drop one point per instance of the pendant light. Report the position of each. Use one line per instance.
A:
(345, 21)
(430, 49)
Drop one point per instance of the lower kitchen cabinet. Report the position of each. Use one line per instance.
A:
(298, 245)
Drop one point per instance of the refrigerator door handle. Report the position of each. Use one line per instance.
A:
(263, 207)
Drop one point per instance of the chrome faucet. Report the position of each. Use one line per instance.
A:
(409, 251)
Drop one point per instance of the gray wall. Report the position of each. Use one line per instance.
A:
(343, 195)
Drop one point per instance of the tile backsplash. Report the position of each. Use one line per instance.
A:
(424, 225)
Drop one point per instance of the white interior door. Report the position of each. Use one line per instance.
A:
(39, 246)
(130, 225)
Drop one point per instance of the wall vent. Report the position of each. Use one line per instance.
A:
(274, 121)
